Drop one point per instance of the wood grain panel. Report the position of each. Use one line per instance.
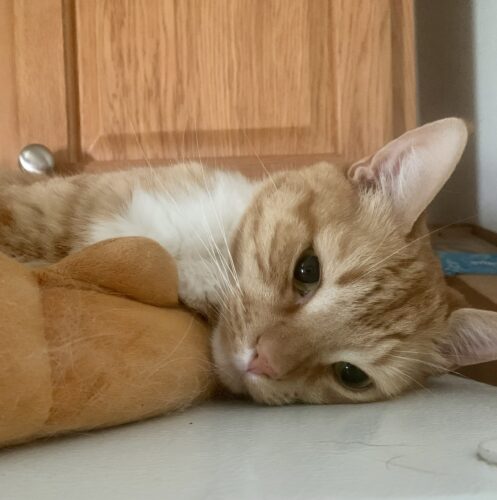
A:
(9, 125)
(364, 68)
(239, 67)
(403, 66)
(175, 79)
(112, 80)
(33, 93)
(212, 78)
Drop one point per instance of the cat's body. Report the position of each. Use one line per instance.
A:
(190, 210)
(321, 282)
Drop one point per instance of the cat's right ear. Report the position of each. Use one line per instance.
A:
(472, 338)
(412, 169)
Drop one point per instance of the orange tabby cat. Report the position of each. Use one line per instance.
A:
(321, 283)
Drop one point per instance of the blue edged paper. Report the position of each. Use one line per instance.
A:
(467, 263)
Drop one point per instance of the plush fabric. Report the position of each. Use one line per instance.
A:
(98, 339)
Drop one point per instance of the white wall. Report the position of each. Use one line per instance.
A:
(457, 75)
(485, 56)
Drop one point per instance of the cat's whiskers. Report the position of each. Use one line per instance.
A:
(408, 377)
(420, 361)
(401, 374)
(465, 219)
(213, 243)
(221, 288)
(442, 368)
(219, 260)
(221, 292)
(439, 367)
(380, 245)
(423, 353)
(225, 279)
(231, 264)
(259, 159)
(232, 270)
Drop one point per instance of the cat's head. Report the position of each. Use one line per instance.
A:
(338, 295)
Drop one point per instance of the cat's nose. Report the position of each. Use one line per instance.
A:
(260, 365)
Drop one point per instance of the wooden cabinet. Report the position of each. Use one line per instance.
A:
(108, 82)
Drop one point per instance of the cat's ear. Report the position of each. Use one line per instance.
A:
(472, 339)
(412, 169)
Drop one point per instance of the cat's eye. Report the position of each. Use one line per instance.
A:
(351, 376)
(307, 273)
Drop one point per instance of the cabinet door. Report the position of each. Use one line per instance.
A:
(112, 82)
(33, 80)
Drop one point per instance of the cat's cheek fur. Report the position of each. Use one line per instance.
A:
(229, 375)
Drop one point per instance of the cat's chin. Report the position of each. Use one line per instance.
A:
(230, 369)
(232, 380)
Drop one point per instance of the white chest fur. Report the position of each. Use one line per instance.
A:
(194, 225)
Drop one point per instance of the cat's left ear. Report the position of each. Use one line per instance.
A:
(412, 169)
(473, 337)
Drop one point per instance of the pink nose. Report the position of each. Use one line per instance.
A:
(260, 365)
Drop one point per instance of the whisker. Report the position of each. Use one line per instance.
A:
(412, 243)
(216, 214)
(444, 369)
(208, 192)
(266, 170)
(219, 292)
(420, 361)
(231, 267)
(406, 375)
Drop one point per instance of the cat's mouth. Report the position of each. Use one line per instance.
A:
(233, 368)
(242, 359)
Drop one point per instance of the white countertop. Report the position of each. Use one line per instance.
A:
(420, 446)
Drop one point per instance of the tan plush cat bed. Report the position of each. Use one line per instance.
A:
(98, 339)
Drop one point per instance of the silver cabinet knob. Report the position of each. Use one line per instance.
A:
(36, 159)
